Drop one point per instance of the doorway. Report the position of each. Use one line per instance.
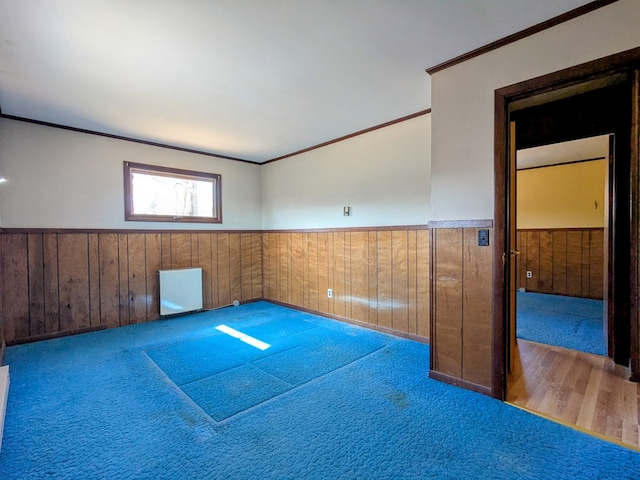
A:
(597, 98)
(561, 212)
(540, 99)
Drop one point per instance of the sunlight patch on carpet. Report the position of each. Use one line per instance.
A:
(243, 337)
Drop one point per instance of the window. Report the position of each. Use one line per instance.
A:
(162, 194)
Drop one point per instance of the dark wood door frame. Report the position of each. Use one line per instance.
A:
(622, 63)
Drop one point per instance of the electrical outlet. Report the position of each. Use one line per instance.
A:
(329, 293)
(529, 274)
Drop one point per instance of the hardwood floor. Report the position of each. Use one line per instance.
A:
(578, 389)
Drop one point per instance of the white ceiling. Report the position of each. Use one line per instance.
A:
(252, 79)
(565, 152)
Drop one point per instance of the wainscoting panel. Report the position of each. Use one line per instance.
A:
(378, 277)
(448, 301)
(73, 281)
(462, 306)
(562, 261)
(2, 322)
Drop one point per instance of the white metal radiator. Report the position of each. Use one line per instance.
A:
(180, 290)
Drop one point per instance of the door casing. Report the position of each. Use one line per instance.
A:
(574, 78)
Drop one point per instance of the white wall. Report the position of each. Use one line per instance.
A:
(463, 101)
(383, 175)
(63, 179)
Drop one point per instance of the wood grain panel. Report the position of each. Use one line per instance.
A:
(532, 256)
(477, 307)
(36, 284)
(73, 271)
(246, 266)
(94, 281)
(194, 249)
(521, 260)
(109, 280)
(50, 271)
(165, 245)
(323, 272)
(203, 260)
(400, 285)
(110, 277)
(385, 280)
(347, 276)
(359, 276)
(123, 278)
(224, 278)
(284, 261)
(137, 278)
(269, 265)
(585, 264)
(596, 255)
(215, 279)
(264, 246)
(153, 263)
(545, 256)
(331, 262)
(574, 263)
(71, 281)
(448, 292)
(235, 270)
(560, 262)
(365, 268)
(2, 321)
(180, 250)
(305, 271)
(313, 275)
(256, 266)
(412, 266)
(422, 294)
(331, 269)
(277, 271)
(297, 259)
(15, 282)
(373, 277)
(339, 280)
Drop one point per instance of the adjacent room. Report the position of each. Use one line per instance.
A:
(333, 239)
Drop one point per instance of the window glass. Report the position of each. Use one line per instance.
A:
(167, 194)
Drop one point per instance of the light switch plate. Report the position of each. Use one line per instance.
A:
(483, 237)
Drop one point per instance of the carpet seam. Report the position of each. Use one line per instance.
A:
(296, 387)
(291, 390)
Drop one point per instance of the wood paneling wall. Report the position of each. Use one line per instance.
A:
(73, 281)
(378, 276)
(63, 282)
(562, 261)
(2, 339)
(462, 307)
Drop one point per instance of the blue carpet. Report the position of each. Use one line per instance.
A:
(97, 406)
(568, 322)
(225, 376)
